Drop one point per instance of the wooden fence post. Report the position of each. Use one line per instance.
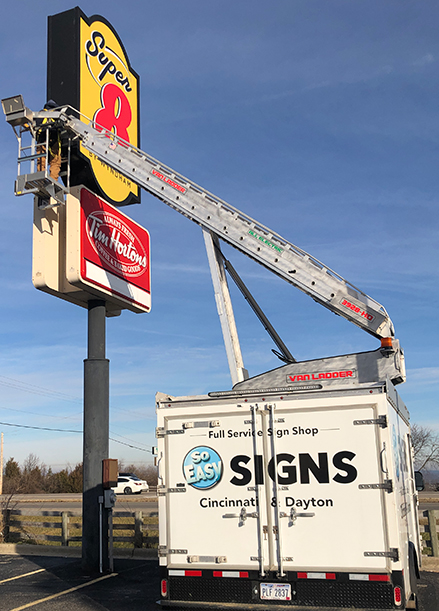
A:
(64, 528)
(6, 524)
(432, 516)
(138, 532)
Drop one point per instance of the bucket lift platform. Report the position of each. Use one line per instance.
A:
(50, 192)
(33, 173)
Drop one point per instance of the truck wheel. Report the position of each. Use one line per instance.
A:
(127, 490)
(414, 576)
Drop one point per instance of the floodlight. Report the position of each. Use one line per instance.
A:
(13, 105)
(15, 110)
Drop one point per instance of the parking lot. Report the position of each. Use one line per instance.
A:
(55, 584)
(48, 583)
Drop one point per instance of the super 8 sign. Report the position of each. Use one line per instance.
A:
(89, 69)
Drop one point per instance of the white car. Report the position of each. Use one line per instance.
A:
(127, 483)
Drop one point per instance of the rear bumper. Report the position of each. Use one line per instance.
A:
(254, 607)
(339, 593)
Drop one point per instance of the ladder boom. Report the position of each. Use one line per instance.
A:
(260, 243)
(213, 214)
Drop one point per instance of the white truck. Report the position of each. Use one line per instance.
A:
(296, 494)
(296, 487)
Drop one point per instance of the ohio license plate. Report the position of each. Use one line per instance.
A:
(275, 591)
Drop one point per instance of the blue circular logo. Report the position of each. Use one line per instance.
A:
(202, 467)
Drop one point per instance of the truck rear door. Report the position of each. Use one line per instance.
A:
(215, 513)
(329, 486)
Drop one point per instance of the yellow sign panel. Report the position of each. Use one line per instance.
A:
(109, 97)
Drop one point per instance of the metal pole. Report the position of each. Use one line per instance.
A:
(285, 354)
(225, 309)
(433, 515)
(110, 537)
(1, 464)
(96, 433)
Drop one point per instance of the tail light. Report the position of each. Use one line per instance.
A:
(164, 588)
(397, 595)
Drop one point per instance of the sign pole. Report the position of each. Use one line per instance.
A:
(96, 444)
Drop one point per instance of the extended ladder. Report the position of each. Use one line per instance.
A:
(214, 215)
(260, 243)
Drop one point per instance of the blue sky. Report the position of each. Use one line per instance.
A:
(320, 120)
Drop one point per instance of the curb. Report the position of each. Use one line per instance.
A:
(430, 564)
(16, 549)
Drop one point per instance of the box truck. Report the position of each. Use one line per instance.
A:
(298, 494)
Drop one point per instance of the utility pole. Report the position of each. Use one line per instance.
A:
(1, 464)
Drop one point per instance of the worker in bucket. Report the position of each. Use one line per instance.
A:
(54, 144)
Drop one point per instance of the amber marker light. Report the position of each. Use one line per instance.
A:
(386, 342)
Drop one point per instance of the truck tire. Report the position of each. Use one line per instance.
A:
(127, 490)
(414, 576)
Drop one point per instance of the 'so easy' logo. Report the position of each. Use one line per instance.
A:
(202, 467)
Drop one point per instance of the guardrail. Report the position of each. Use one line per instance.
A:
(428, 522)
(130, 529)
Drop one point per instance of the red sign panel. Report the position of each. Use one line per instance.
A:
(114, 252)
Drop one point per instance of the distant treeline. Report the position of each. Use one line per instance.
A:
(33, 477)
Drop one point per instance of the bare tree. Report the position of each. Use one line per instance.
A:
(12, 483)
(425, 447)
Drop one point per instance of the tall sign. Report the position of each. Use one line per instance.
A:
(88, 69)
(89, 250)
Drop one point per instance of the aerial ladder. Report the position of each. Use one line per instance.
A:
(218, 220)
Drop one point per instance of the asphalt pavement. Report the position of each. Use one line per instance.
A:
(56, 584)
(48, 583)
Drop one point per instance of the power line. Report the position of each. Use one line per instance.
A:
(39, 414)
(38, 428)
(130, 446)
(36, 390)
(126, 438)
(43, 428)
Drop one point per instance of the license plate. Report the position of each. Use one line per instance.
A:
(275, 591)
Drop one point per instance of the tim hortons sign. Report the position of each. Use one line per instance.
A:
(108, 251)
(90, 249)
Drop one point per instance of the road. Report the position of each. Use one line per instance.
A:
(428, 500)
(146, 502)
(136, 502)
